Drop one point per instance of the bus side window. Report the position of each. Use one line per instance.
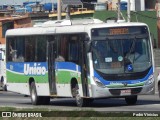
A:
(59, 58)
(61, 50)
(8, 51)
(29, 49)
(15, 48)
(11, 49)
(74, 49)
(41, 48)
(68, 48)
(20, 49)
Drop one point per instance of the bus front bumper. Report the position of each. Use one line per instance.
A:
(99, 92)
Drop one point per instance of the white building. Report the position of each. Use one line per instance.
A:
(136, 5)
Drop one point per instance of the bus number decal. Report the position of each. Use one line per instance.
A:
(36, 69)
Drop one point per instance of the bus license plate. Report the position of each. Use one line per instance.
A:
(126, 92)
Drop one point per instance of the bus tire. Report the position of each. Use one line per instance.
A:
(45, 100)
(4, 87)
(131, 100)
(80, 101)
(159, 89)
(36, 100)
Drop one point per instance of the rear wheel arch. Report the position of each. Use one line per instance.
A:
(31, 80)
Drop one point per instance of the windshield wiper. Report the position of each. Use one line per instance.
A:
(132, 49)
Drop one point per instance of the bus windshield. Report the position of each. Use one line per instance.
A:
(121, 54)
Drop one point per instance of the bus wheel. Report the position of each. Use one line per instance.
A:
(159, 89)
(4, 87)
(80, 101)
(131, 100)
(45, 100)
(33, 92)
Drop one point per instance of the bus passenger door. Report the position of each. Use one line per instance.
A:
(51, 67)
(83, 57)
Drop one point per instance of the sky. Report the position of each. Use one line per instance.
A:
(11, 2)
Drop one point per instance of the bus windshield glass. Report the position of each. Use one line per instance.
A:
(121, 50)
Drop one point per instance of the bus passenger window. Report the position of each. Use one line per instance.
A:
(30, 50)
(12, 51)
(62, 48)
(60, 58)
(40, 54)
(20, 49)
(9, 51)
(74, 49)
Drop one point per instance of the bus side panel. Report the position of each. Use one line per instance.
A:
(22, 88)
(65, 72)
(89, 87)
(42, 89)
(2, 65)
(64, 90)
(2, 71)
(19, 74)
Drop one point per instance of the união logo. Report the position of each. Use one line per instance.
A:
(35, 69)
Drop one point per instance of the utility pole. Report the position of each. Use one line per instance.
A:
(119, 12)
(68, 12)
(128, 11)
(59, 10)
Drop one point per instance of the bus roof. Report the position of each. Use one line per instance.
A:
(66, 29)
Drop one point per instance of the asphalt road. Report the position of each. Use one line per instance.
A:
(144, 103)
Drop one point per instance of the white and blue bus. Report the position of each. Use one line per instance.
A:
(2, 68)
(85, 60)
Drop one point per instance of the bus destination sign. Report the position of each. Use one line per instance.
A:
(118, 31)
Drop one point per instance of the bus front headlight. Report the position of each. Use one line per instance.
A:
(150, 80)
(98, 82)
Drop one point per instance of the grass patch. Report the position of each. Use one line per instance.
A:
(50, 114)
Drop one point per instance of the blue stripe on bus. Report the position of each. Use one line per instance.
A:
(108, 82)
(67, 66)
(19, 66)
